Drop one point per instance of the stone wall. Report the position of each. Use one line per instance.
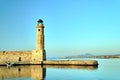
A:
(71, 62)
(16, 57)
(20, 57)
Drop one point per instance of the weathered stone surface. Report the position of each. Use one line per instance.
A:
(71, 62)
(16, 57)
(19, 57)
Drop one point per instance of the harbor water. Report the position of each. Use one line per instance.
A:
(108, 69)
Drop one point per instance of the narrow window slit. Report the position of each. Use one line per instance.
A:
(19, 58)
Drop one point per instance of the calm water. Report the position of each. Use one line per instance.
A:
(108, 69)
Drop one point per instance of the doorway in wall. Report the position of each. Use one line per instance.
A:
(19, 58)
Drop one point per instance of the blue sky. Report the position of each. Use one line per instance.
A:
(72, 27)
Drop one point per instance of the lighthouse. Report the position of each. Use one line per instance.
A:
(39, 54)
(40, 35)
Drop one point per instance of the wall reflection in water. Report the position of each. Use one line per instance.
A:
(71, 67)
(29, 72)
(33, 72)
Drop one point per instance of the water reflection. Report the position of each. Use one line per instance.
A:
(33, 72)
(71, 67)
(22, 73)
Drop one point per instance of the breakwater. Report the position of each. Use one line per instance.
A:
(71, 62)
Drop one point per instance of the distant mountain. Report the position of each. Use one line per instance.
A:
(89, 55)
(86, 54)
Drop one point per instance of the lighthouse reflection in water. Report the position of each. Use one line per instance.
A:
(26, 72)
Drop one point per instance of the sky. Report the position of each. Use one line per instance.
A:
(72, 27)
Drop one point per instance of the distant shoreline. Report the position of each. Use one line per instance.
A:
(99, 57)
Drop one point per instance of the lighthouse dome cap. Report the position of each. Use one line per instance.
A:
(40, 21)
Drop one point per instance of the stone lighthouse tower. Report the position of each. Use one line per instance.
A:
(39, 54)
(40, 35)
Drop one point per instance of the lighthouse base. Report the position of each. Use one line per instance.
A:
(38, 56)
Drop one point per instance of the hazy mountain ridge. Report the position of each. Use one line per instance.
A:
(89, 55)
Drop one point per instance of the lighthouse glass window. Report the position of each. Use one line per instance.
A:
(38, 29)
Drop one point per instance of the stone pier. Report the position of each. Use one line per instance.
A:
(71, 62)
